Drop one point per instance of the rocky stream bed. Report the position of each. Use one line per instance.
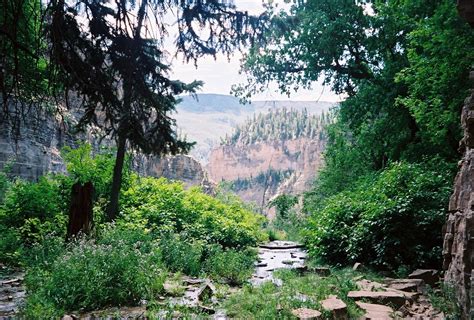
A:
(389, 299)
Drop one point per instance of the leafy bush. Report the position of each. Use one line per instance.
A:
(83, 165)
(35, 209)
(180, 255)
(231, 266)
(90, 275)
(388, 220)
(165, 207)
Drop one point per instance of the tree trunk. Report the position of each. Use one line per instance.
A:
(80, 212)
(113, 208)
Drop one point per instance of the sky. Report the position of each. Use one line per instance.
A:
(219, 75)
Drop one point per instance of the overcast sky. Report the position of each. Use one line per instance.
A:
(219, 75)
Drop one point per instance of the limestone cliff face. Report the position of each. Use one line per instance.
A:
(458, 247)
(298, 158)
(179, 167)
(34, 150)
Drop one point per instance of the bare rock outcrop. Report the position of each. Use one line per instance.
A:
(31, 148)
(300, 158)
(458, 247)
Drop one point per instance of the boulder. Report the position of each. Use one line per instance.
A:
(381, 297)
(306, 314)
(336, 307)
(206, 292)
(429, 276)
(408, 285)
(375, 311)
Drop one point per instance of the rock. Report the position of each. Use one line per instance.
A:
(206, 292)
(288, 262)
(301, 269)
(67, 317)
(429, 276)
(321, 271)
(306, 314)
(336, 306)
(277, 282)
(381, 297)
(301, 297)
(194, 280)
(358, 266)
(458, 231)
(409, 285)
(283, 245)
(261, 265)
(375, 311)
(368, 285)
(206, 309)
(173, 288)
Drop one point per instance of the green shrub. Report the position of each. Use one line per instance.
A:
(390, 219)
(91, 275)
(181, 255)
(84, 165)
(162, 206)
(10, 245)
(231, 266)
(35, 209)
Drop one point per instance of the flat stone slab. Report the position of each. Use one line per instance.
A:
(306, 314)
(281, 245)
(336, 306)
(381, 297)
(368, 285)
(375, 311)
(429, 276)
(409, 285)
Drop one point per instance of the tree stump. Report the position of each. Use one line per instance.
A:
(80, 212)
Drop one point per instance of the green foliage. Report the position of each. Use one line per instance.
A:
(84, 166)
(24, 69)
(283, 203)
(182, 256)
(440, 53)
(90, 275)
(387, 220)
(35, 209)
(271, 177)
(278, 125)
(445, 300)
(230, 266)
(162, 206)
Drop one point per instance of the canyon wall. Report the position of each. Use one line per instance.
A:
(294, 161)
(31, 149)
(458, 247)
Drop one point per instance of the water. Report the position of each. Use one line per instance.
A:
(277, 255)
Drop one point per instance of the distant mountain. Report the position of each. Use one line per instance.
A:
(213, 103)
(212, 116)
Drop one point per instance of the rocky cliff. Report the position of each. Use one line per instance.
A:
(260, 171)
(458, 248)
(31, 149)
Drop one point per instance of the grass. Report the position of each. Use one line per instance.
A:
(269, 301)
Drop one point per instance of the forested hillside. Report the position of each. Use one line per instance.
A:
(279, 125)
